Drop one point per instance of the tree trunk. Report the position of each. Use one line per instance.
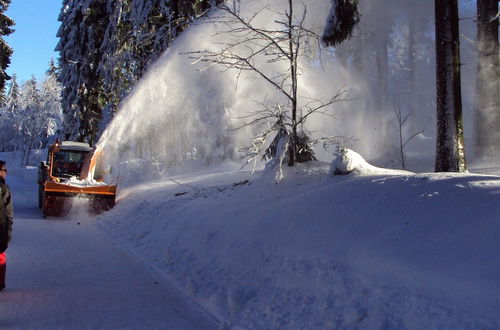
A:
(487, 133)
(292, 149)
(28, 152)
(450, 151)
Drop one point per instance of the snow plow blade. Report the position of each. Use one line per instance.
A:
(58, 198)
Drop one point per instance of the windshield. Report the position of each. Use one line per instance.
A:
(68, 163)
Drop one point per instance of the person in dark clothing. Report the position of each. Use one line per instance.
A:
(6, 221)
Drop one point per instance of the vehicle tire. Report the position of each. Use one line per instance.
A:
(40, 196)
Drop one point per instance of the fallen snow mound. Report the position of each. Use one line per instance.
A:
(348, 161)
(74, 181)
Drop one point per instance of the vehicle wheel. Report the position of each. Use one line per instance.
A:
(42, 206)
(40, 196)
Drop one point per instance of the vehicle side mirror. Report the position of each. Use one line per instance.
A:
(42, 172)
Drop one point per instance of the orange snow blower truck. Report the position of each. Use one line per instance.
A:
(73, 170)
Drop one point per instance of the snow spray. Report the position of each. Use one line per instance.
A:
(178, 116)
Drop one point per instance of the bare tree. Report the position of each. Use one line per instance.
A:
(400, 126)
(253, 48)
(450, 149)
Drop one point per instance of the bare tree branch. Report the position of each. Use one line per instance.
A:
(252, 48)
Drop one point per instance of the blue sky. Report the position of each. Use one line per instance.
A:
(35, 37)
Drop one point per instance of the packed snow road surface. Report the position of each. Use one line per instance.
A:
(66, 274)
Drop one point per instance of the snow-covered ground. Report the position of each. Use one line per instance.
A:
(374, 249)
(67, 274)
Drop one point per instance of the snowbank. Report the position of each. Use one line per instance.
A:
(348, 161)
(386, 249)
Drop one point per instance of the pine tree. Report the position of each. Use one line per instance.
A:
(8, 114)
(450, 150)
(154, 27)
(31, 120)
(12, 99)
(341, 22)
(53, 70)
(136, 34)
(105, 47)
(50, 108)
(32, 115)
(69, 63)
(83, 24)
(6, 25)
(114, 67)
(91, 100)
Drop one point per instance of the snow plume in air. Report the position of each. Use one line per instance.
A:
(179, 117)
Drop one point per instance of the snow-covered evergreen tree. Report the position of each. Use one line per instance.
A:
(6, 24)
(12, 99)
(82, 27)
(136, 34)
(40, 115)
(114, 66)
(32, 115)
(8, 115)
(342, 19)
(105, 47)
(69, 62)
(50, 108)
(91, 100)
(31, 121)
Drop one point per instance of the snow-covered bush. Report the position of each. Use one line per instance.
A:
(348, 161)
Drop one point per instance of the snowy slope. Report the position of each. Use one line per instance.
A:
(372, 249)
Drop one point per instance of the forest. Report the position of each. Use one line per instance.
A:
(390, 82)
